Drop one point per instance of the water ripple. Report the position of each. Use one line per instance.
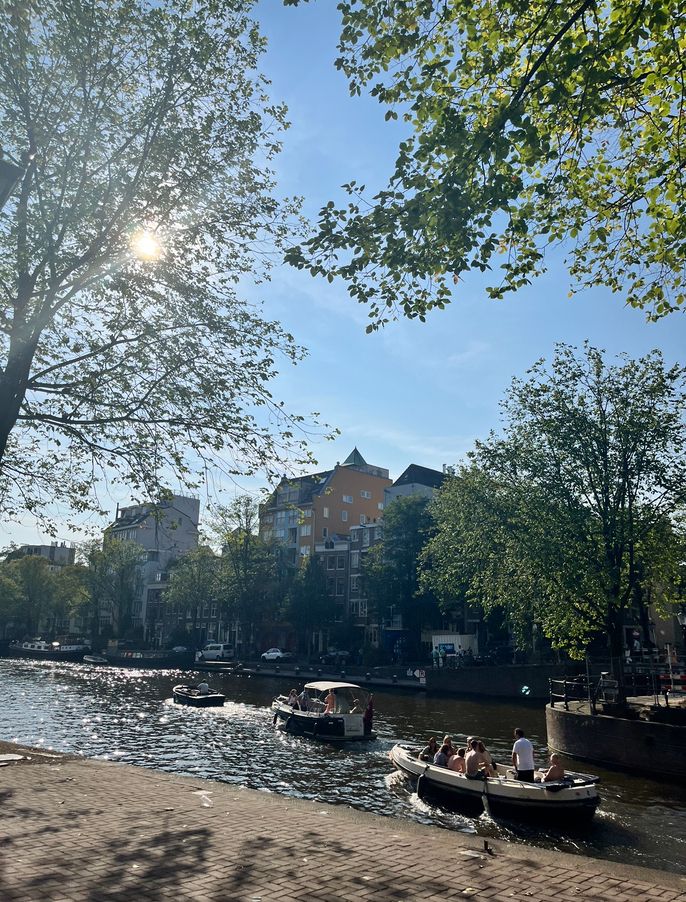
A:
(128, 715)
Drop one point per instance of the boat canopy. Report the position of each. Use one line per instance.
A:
(323, 685)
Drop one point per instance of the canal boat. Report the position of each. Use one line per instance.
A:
(95, 659)
(574, 797)
(151, 658)
(348, 719)
(191, 695)
(39, 649)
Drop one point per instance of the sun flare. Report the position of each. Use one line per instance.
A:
(146, 246)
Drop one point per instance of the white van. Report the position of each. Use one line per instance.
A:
(216, 651)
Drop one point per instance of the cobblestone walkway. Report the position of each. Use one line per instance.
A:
(87, 830)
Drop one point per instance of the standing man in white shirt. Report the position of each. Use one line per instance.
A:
(523, 757)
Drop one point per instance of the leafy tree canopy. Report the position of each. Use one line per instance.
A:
(529, 123)
(390, 568)
(147, 135)
(114, 582)
(252, 582)
(573, 515)
(308, 606)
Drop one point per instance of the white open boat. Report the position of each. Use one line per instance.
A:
(350, 720)
(576, 796)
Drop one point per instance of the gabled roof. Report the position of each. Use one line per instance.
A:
(129, 520)
(416, 475)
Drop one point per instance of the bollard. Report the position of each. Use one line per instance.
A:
(395, 677)
(342, 674)
(277, 668)
(367, 676)
(319, 672)
(297, 671)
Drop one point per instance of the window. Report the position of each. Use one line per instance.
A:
(347, 499)
(365, 537)
(330, 563)
(340, 587)
(304, 550)
(354, 583)
(365, 494)
(344, 516)
(306, 530)
(380, 505)
(153, 555)
(363, 519)
(358, 608)
(325, 533)
(354, 560)
(330, 586)
(213, 611)
(307, 512)
(340, 563)
(354, 534)
(325, 513)
(205, 610)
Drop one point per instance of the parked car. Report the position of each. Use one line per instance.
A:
(275, 654)
(216, 651)
(334, 656)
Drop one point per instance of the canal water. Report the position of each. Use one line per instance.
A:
(128, 715)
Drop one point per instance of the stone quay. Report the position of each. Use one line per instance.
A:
(75, 829)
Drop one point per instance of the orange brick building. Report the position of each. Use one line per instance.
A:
(308, 509)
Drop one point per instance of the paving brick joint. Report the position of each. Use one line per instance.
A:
(74, 829)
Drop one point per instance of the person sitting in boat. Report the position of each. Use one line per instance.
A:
(356, 706)
(330, 702)
(523, 757)
(448, 740)
(441, 756)
(486, 760)
(457, 762)
(555, 772)
(304, 700)
(473, 762)
(342, 704)
(203, 688)
(428, 752)
(292, 698)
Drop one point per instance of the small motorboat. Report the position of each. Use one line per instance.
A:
(348, 720)
(576, 796)
(191, 695)
(95, 659)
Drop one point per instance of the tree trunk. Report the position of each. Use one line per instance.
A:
(615, 629)
(13, 382)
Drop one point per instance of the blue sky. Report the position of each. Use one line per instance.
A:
(412, 393)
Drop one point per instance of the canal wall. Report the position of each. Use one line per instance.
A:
(633, 745)
(499, 681)
(512, 681)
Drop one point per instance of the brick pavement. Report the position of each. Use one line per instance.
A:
(76, 830)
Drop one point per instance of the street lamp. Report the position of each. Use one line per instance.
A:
(9, 177)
